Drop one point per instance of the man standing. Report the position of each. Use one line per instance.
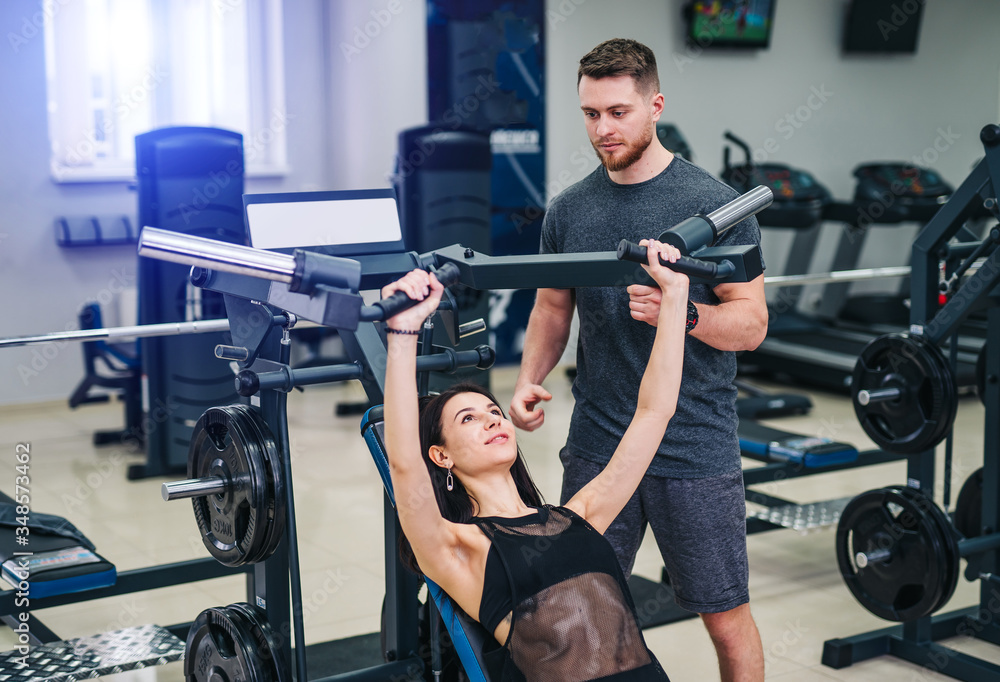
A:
(692, 495)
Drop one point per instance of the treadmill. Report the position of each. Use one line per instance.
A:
(821, 348)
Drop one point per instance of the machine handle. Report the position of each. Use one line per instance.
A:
(692, 267)
(447, 274)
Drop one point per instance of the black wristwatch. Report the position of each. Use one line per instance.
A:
(692, 317)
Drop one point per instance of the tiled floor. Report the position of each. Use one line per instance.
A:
(797, 595)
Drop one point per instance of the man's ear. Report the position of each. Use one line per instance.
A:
(658, 105)
(438, 456)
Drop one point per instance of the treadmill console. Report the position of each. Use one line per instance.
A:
(904, 191)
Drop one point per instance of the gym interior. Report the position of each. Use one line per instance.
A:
(872, 123)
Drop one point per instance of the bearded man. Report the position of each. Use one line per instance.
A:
(692, 496)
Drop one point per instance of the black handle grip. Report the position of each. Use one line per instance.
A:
(692, 267)
(447, 274)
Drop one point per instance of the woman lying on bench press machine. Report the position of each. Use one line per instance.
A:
(542, 579)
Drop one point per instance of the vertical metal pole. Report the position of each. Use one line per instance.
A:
(991, 446)
(268, 582)
(293, 542)
(401, 586)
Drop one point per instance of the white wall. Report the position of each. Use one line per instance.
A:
(346, 108)
(378, 74)
(873, 108)
(43, 285)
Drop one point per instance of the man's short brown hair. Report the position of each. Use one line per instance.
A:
(622, 57)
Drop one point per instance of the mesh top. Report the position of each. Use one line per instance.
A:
(572, 613)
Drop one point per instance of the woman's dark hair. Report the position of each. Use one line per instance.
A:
(457, 505)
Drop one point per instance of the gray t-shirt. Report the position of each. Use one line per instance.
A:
(613, 349)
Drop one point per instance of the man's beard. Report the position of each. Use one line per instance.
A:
(633, 152)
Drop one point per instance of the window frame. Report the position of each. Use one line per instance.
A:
(266, 84)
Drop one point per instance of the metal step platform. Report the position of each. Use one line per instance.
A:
(802, 517)
(89, 657)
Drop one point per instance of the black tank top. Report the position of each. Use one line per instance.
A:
(572, 613)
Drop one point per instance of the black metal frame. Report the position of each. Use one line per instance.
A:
(782, 471)
(268, 378)
(128, 582)
(915, 641)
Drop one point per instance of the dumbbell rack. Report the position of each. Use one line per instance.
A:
(915, 641)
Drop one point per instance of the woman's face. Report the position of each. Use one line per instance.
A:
(477, 436)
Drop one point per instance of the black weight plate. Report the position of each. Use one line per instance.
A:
(247, 421)
(265, 642)
(949, 542)
(912, 582)
(969, 506)
(274, 478)
(941, 376)
(921, 416)
(231, 523)
(219, 649)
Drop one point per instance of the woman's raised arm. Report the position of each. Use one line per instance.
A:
(605, 496)
(429, 534)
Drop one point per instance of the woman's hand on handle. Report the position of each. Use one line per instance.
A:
(672, 284)
(419, 285)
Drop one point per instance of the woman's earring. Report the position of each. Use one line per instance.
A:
(449, 482)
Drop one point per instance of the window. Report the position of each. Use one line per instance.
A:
(117, 68)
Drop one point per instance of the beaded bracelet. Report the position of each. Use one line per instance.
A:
(406, 332)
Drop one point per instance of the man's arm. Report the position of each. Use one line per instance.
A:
(738, 322)
(545, 340)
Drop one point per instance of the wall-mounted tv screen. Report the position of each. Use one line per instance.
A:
(882, 26)
(730, 23)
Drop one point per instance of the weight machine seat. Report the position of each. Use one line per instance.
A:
(469, 637)
(774, 445)
(108, 366)
(61, 560)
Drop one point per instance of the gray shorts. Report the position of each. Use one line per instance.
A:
(699, 525)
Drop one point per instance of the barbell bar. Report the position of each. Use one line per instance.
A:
(966, 548)
(131, 332)
(866, 397)
(194, 487)
(205, 326)
(835, 276)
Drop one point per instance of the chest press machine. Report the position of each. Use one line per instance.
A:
(239, 470)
